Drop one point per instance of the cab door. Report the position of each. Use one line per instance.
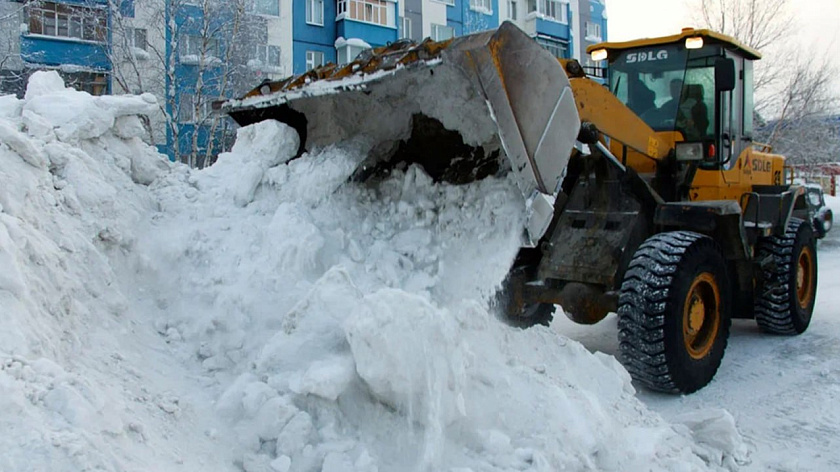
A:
(730, 135)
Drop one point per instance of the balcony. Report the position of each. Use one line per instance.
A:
(374, 21)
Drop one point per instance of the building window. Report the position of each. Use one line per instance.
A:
(68, 21)
(593, 31)
(314, 59)
(315, 12)
(138, 38)
(553, 9)
(191, 48)
(378, 12)
(406, 27)
(186, 108)
(348, 53)
(441, 32)
(559, 49)
(481, 5)
(94, 83)
(512, 5)
(267, 55)
(267, 7)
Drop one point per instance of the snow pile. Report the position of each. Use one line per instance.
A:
(265, 314)
(80, 383)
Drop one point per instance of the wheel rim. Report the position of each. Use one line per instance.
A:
(701, 316)
(805, 278)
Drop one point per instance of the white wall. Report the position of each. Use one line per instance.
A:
(433, 12)
(280, 34)
(142, 72)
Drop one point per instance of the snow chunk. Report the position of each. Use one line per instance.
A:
(43, 83)
(325, 378)
(10, 107)
(715, 428)
(78, 115)
(19, 143)
(128, 127)
(409, 354)
(340, 42)
(258, 147)
(268, 143)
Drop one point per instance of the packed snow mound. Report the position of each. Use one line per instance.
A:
(80, 381)
(267, 314)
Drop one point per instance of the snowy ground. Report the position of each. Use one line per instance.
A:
(261, 315)
(782, 391)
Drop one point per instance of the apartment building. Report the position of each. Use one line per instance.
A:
(190, 53)
(564, 27)
(68, 36)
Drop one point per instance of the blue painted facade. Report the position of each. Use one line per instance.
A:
(375, 35)
(41, 49)
(475, 20)
(554, 29)
(309, 37)
(52, 51)
(598, 14)
(321, 38)
(189, 21)
(465, 20)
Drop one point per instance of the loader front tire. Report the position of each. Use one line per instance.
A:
(784, 302)
(674, 312)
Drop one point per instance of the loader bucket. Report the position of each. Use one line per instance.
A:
(464, 109)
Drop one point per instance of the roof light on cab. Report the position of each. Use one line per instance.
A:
(694, 43)
(599, 55)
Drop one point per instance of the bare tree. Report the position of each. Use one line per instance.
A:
(795, 93)
(198, 51)
(12, 71)
(757, 23)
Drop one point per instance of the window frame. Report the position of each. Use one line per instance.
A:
(133, 38)
(257, 11)
(197, 42)
(186, 108)
(597, 34)
(549, 43)
(90, 24)
(542, 7)
(406, 30)
(313, 7)
(436, 30)
(374, 12)
(482, 6)
(310, 59)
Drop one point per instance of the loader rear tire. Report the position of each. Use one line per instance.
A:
(674, 312)
(785, 302)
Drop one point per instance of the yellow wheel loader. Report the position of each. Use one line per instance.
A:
(644, 196)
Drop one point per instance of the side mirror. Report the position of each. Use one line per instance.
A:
(724, 75)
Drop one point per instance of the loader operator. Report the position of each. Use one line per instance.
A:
(685, 109)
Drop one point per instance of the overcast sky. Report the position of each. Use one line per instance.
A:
(819, 20)
(818, 23)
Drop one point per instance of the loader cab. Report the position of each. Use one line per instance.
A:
(695, 88)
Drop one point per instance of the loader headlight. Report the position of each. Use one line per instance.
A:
(689, 151)
(599, 55)
(694, 43)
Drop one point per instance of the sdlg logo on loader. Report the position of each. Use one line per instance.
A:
(647, 56)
